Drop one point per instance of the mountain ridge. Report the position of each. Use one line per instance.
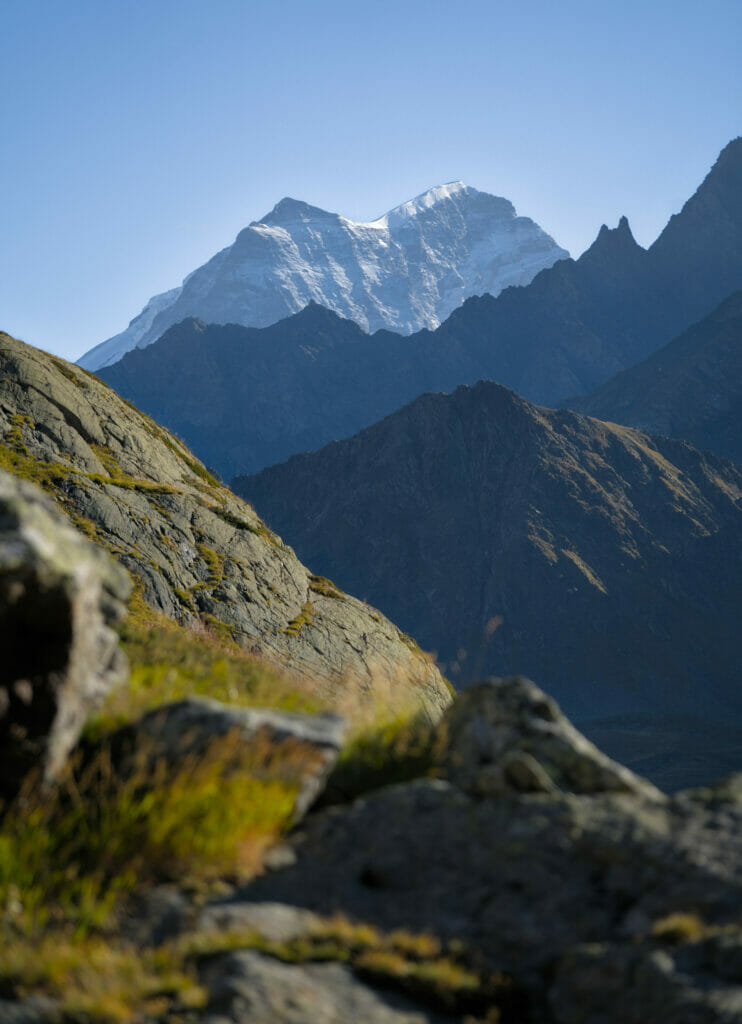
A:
(405, 270)
(576, 325)
(691, 388)
(593, 555)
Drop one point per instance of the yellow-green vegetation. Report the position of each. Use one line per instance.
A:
(215, 565)
(49, 475)
(14, 437)
(195, 467)
(169, 662)
(66, 370)
(95, 979)
(678, 928)
(321, 585)
(259, 529)
(304, 618)
(118, 478)
(385, 753)
(418, 964)
(67, 856)
(102, 980)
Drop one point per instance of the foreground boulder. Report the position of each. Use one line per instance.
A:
(301, 748)
(247, 987)
(511, 737)
(59, 598)
(549, 861)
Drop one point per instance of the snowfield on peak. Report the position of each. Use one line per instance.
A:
(407, 270)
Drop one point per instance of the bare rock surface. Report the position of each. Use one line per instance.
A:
(508, 735)
(199, 552)
(59, 599)
(248, 988)
(562, 884)
(274, 922)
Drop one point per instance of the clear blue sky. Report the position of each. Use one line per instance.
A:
(139, 137)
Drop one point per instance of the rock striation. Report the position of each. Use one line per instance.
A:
(199, 554)
(60, 598)
(407, 270)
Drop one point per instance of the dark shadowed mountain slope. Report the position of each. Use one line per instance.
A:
(201, 555)
(247, 398)
(691, 388)
(509, 537)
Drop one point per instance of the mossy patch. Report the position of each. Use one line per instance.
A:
(215, 566)
(304, 618)
(97, 980)
(442, 976)
(321, 585)
(388, 752)
(66, 370)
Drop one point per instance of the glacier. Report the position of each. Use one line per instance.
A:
(405, 271)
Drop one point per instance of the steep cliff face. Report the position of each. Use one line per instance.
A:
(691, 388)
(200, 554)
(602, 560)
(407, 270)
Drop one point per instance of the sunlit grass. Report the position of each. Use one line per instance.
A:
(169, 661)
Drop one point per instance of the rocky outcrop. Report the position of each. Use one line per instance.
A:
(512, 738)
(198, 552)
(245, 986)
(605, 900)
(189, 728)
(60, 596)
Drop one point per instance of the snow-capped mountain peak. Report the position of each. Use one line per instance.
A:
(405, 270)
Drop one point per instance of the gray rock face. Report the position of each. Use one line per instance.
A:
(508, 736)
(248, 988)
(200, 553)
(35, 1010)
(597, 984)
(59, 598)
(189, 727)
(562, 884)
(274, 922)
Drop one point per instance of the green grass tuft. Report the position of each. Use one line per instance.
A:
(398, 750)
(321, 585)
(304, 618)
